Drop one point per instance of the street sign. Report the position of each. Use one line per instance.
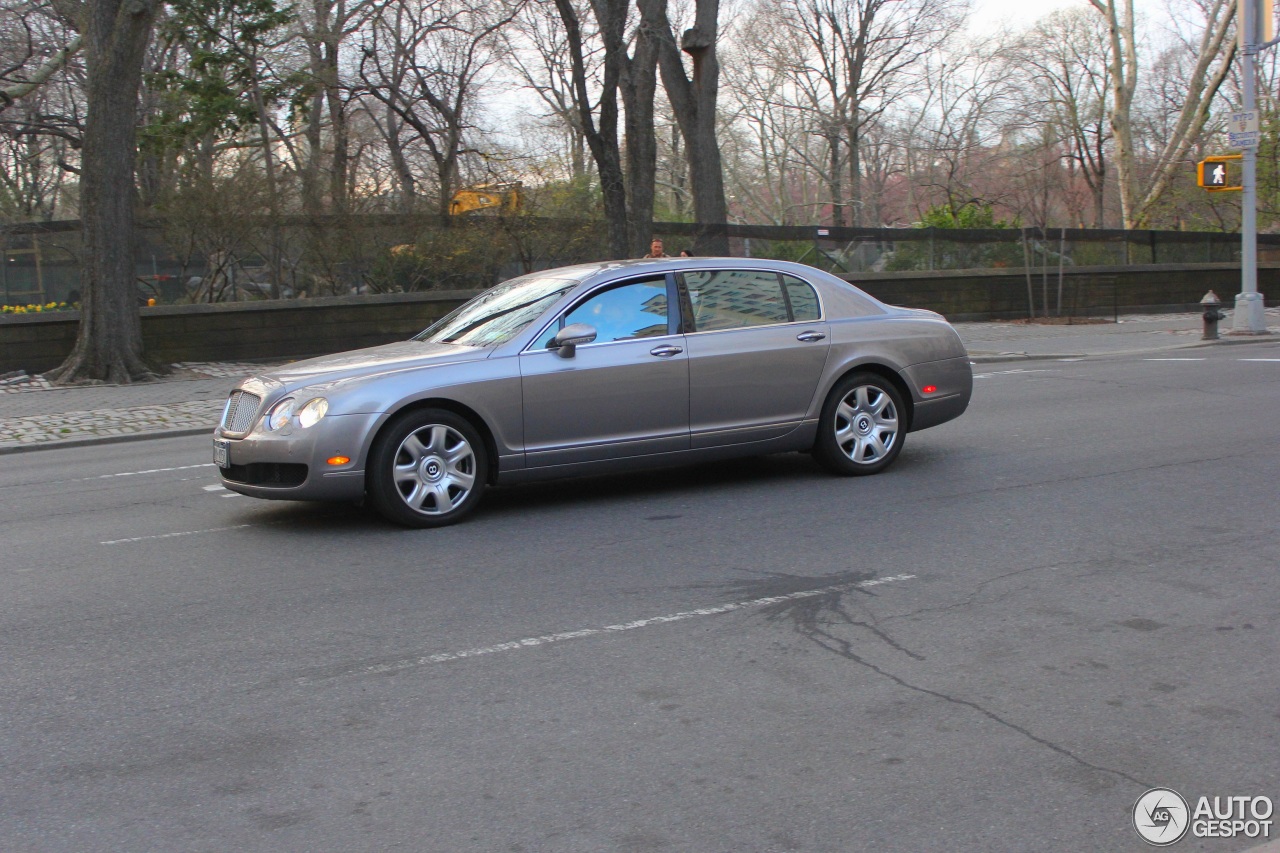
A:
(1246, 122)
(1248, 139)
(1243, 129)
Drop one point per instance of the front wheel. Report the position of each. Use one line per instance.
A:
(428, 469)
(862, 427)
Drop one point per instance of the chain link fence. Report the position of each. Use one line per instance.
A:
(218, 259)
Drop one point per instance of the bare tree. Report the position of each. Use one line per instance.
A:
(599, 118)
(36, 60)
(1068, 103)
(856, 57)
(425, 62)
(325, 26)
(538, 52)
(959, 137)
(41, 109)
(1213, 51)
(777, 128)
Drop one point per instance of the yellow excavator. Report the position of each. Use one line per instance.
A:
(507, 197)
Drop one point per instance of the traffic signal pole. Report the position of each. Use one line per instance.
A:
(1249, 317)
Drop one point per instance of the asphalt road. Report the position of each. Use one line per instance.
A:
(1047, 607)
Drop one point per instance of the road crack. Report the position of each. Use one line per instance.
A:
(844, 648)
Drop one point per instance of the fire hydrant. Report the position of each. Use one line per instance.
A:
(1212, 315)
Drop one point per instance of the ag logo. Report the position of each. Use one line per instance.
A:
(1161, 816)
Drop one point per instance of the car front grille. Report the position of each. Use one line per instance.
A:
(267, 474)
(242, 407)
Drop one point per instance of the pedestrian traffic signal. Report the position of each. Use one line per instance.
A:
(1211, 173)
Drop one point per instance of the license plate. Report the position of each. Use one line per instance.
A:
(221, 453)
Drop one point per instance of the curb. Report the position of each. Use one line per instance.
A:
(105, 439)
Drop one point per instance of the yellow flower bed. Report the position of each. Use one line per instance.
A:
(36, 309)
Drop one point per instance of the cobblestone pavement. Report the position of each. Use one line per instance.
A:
(101, 423)
(34, 414)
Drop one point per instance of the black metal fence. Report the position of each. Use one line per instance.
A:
(212, 258)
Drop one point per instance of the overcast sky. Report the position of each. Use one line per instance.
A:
(989, 15)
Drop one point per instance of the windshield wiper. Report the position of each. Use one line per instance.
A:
(489, 318)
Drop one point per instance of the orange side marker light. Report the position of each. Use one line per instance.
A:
(338, 460)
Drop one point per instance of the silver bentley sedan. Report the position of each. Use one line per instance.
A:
(595, 368)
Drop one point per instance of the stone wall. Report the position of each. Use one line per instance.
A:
(1086, 291)
(239, 331)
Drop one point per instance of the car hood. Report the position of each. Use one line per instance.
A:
(368, 362)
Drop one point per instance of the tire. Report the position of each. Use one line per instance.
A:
(427, 469)
(862, 427)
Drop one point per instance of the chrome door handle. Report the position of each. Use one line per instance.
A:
(666, 351)
(810, 336)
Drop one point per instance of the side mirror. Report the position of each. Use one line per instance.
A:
(566, 341)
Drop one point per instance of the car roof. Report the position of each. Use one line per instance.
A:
(583, 272)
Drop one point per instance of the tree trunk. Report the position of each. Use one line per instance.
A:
(1099, 197)
(447, 173)
(694, 101)
(855, 170)
(109, 343)
(638, 87)
(679, 175)
(274, 259)
(602, 140)
(314, 130)
(835, 183)
(404, 176)
(338, 127)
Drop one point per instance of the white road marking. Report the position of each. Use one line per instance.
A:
(214, 488)
(151, 471)
(1009, 372)
(173, 535)
(140, 473)
(120, 474)
(529, 642)
(1175, 359)
(1258, 359)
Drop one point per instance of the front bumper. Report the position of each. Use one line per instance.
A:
(291, 464)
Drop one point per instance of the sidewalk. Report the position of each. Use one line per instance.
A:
(1003, 341)
(34, 414)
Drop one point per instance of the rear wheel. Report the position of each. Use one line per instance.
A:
(428, 469)
(862, 428)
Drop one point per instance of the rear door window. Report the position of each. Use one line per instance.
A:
(735, 299)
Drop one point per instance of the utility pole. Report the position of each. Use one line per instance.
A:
(1255, 26)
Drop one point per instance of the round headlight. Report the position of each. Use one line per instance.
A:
(313, 411)
(280, 414)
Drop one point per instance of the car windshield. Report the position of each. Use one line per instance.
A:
(496, 316)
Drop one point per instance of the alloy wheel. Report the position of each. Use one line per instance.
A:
(434, 469)
(866, 424)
